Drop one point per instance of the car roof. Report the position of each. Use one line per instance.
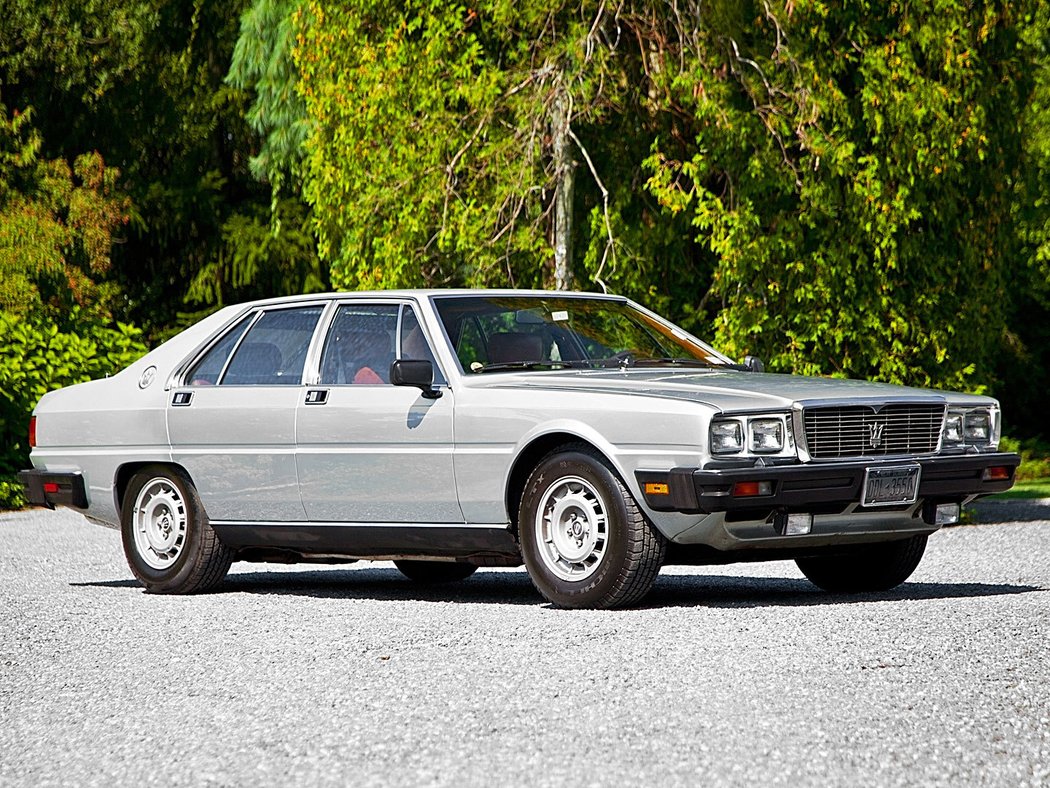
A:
(428, 293)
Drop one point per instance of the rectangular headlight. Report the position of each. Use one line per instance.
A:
(977, 426)
(767, 435)
(727, 437)
(974, 427)
(953, 428)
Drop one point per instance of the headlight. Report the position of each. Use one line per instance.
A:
(953, 428)
(727, 437)
(767, 435)
(977, 426)
(972, 427)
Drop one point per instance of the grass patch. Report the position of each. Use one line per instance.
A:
(1031, 488)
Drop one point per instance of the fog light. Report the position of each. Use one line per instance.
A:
(792, 524)
(946, 514)
(941, 513)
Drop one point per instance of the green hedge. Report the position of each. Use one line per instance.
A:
(36, 357)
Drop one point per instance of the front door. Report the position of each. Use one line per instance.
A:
(369, 451)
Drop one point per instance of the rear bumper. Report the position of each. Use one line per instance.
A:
(51, 489)
(828, 487)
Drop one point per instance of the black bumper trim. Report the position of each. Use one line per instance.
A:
(806, 487)
(69, 488)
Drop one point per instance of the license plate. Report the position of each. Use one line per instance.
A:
(889, 486)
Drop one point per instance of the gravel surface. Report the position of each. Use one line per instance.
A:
(741, 675)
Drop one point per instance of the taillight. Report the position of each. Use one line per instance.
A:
(32, 432)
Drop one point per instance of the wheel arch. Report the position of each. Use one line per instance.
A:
(127, 471)
(535, 449)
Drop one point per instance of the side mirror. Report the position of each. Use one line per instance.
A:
(415, 372)
(754, 364)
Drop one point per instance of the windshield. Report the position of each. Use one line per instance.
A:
(495, 333)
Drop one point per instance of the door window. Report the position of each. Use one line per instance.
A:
(359, 348)
(273, 352)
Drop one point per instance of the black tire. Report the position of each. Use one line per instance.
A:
(177, 555)
(615, 551)
(435, 571)
(873, 567)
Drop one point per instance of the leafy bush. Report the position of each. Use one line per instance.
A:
(36, 357)
(1035, 458)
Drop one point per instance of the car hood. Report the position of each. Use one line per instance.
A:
(722, 390)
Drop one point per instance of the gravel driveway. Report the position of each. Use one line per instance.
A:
(741, 675)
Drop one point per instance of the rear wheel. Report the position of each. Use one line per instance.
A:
(874, 567)
(168, 541)
(435, 571)
(585, 542)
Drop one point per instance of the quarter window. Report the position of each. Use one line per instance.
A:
(206, 371)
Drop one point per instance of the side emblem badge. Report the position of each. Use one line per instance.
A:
(149, 374)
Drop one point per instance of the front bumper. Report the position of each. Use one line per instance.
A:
(819, 488)
(51, 488)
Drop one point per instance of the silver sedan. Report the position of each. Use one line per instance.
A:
(445, 430)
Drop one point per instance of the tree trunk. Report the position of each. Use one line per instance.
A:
(564, 177)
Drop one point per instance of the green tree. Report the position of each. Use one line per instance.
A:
(142, 83)
(443, 142)
(57, 227)
(262, 63)
(853, 172)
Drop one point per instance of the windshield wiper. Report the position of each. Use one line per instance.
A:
(528, 365)
(678, 361)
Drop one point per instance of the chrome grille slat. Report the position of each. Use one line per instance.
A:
(850, 430)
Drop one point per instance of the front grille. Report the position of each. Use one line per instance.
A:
(862, 431)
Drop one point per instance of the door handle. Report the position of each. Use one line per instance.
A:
(316, 396)
(182, 399)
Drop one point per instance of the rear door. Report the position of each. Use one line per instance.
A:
(232, 426)
(369, 451)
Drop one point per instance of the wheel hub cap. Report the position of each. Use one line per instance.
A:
(572, 528)
(159, 523)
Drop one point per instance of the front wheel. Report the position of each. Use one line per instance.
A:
(585, 542)
(168, 541)
(873, 567)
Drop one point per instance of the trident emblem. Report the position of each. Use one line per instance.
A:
(875, 429)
